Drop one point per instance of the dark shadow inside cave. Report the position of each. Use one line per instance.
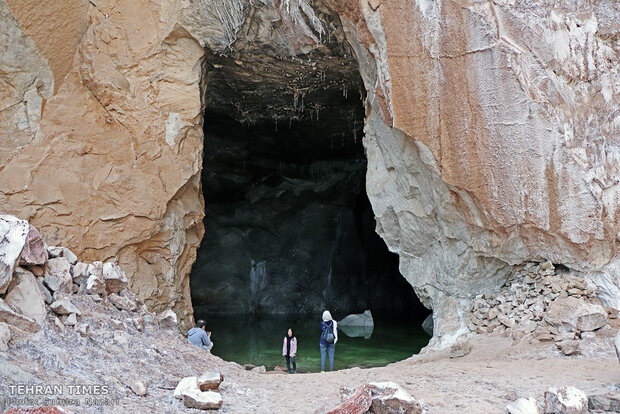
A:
(288, 226)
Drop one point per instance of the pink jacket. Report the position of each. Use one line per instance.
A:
(293, 346)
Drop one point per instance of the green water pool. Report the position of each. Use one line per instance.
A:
(258, 340)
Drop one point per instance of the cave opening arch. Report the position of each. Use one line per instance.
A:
(288, 225)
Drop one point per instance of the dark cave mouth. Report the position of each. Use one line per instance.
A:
(289, 229)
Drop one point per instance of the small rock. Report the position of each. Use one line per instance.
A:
(210, 381)
(35, 249)
(461, 348)
(57, 251)
(139, 388)
(59, 324)
(547, 265)
(524, 328)
(149, 319)
(83, 329)
(492, 313)
(52, 282)
(65, 307)
(114, 277)
(5, 337)
(120, 338)
(121, 303)
(187, 383)
(117, 324)
(138, 323)
(60, 267)
(506, 321)
(565, 400)
(71, 320)
(203, 400)
(167, 319)
(80, 273)
(568, 347)
(94, 285)
(38, 271)
(523, 406)
(259, 369)
(617, 345)
(599, 402)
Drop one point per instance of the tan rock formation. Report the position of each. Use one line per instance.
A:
(494, 139)
(114, 171)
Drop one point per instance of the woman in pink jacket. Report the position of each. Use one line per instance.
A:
(289, 349)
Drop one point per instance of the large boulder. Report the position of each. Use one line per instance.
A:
(13, 235)
(377, 397)
(565, 400)
(571, 313)
(360, 319)
(427, 325)
(357, 403)
(35, 249)
(25, 296)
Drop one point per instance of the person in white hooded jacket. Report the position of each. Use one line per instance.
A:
(329, 337)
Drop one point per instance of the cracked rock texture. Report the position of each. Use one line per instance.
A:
(492, 131)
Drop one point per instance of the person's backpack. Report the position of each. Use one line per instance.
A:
(328, 333)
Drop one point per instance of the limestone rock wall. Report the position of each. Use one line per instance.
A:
(492, 138)
(109, 163)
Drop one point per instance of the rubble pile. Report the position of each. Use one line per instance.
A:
(541, 302)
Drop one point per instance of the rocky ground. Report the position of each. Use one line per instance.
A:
(115, 353)
(75, 330)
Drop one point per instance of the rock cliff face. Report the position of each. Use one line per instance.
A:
(491, 131)
(494, 139)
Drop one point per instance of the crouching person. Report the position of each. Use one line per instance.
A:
(199, 336)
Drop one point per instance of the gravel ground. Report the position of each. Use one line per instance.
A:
(115, 354)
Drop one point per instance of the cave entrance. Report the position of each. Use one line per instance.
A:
(289, 230)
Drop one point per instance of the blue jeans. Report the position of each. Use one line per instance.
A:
(330, 348)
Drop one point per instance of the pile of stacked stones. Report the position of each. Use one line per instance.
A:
(537, 300)
(37, 280)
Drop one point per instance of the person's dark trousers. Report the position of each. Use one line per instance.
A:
(288, 364)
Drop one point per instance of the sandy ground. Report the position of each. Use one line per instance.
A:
(496, 371)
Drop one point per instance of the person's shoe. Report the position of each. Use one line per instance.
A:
(322, 372)
(295, 372)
